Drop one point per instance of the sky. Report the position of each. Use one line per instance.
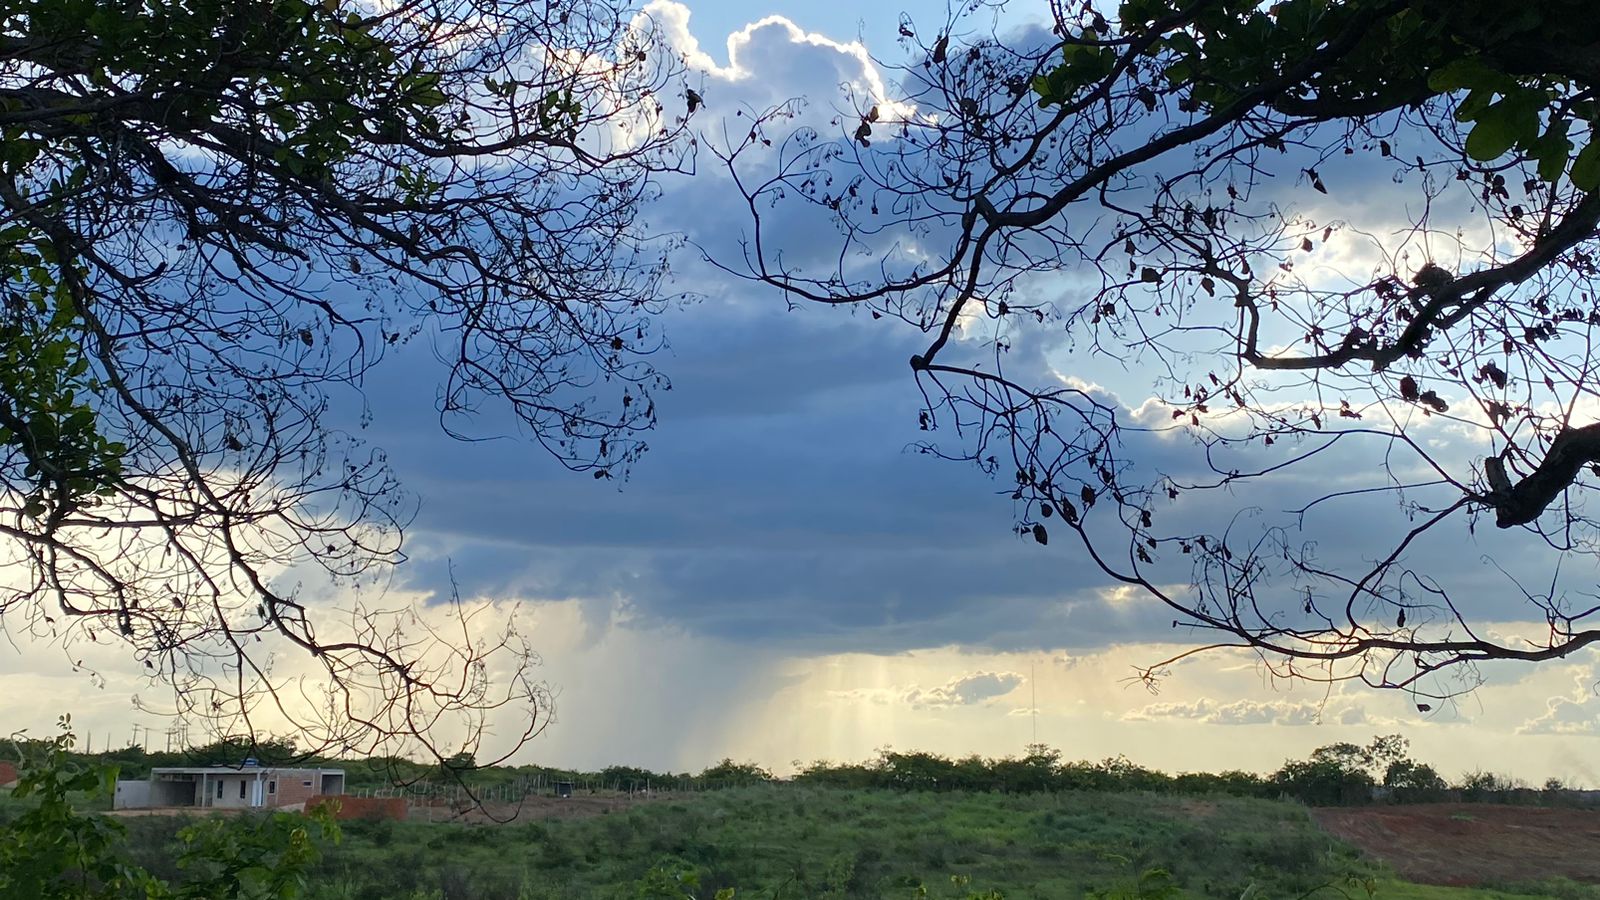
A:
(781, 580)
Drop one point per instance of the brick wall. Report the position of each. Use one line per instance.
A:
(292, 788)
(8, 773)
(364, 807)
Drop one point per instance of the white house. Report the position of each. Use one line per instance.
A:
(228, 787)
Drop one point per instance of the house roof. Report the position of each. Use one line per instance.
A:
(238, 770)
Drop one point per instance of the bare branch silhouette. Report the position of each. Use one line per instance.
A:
(1121, 197)
(216, 220)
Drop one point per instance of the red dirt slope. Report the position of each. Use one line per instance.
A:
(1473, 843)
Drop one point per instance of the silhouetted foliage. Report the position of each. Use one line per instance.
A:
(217, 218)
(1311, 242)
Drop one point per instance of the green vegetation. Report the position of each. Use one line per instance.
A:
(1518, 90)
(51, 850)
(1339, 774)
(812, 842)
(1108, 831)
(1392, 889)
(787, 841)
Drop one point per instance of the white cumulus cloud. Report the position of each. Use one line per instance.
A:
(1254, 712)
(773, 60)
(973, 689)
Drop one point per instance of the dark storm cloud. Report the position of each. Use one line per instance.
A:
(779, 505)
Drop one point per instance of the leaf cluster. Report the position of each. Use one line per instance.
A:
(53, 851)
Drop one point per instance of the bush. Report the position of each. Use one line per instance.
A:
(53, 851)
(731, 774)
(1324, 782)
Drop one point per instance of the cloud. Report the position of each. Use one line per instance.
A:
(1576, 712)
(778, 521)
(1254, 712)
(778, 505)
(1564, 715)
(770, 61)
(968, 690)
(973, 689)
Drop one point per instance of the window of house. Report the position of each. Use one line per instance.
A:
(241, 789)
(305, 784)
(219, 789)
(272, 787)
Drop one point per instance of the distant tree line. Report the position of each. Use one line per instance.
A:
(1334, 775)
(1337, 774)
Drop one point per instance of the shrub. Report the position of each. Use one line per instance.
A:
(52, 851)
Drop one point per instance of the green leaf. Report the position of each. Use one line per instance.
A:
(1553, 150)
(1465, 74)
(283, 117)
(1500, 127)
(1474, 104)
(1586, 168)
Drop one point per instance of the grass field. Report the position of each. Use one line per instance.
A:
(789, 842)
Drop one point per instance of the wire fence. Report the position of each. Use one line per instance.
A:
(449, 793)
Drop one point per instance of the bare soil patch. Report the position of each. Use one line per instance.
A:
(1198, 809)
(530, 809)
(1473, 843)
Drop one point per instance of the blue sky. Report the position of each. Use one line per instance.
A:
(876, 23)
(781, 579)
